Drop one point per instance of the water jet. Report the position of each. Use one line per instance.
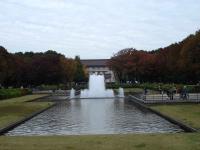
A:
(97, 88)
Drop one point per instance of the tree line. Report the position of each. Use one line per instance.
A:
(177, 63)
(31, 69)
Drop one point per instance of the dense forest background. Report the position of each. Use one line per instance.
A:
(31, 69)
(177, 63)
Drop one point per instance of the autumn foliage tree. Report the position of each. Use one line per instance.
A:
(32, 69)
(179, 62)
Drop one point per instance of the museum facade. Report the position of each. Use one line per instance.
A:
(99, 66)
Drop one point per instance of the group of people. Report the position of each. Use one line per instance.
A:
(183, 93)
(172, 91)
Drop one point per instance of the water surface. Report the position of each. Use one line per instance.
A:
(94, 116)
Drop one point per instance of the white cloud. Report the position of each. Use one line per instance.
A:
(95, 28)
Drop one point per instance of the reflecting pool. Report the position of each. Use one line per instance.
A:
(95, 116)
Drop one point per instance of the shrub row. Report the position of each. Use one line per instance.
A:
(150, 86)
(11, 93)
(156, 86)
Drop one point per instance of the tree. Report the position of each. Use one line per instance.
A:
(7, 67)
(179, 62)
(79, 75)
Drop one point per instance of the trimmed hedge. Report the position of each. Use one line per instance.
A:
(62, 86)
(11, 93)
(150, 86)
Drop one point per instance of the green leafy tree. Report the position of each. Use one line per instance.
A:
(80, 75)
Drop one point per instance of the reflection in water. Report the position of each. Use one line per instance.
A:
(94, 116)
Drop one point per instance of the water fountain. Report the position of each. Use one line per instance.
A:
(96, 114)
(97, 88)
(121, 92)
(72, 93)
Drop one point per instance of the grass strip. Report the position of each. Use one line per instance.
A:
(188, 113)
(15, 109)
(104, 142)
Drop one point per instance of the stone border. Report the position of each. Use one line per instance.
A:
(36, 99)
(182, 125)
(169, 102)
(94, 98)
(13, 125)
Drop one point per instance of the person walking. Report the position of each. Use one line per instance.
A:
(185, 93)
(145, 91)
(159, 89)
(172, 92)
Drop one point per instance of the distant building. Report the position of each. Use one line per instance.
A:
(99, 66)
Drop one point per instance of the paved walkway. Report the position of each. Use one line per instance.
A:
(164, 98)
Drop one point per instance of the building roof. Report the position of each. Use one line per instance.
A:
(95, 62)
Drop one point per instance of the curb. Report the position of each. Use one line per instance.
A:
(182, 125)
(38, 98)
(13, 125)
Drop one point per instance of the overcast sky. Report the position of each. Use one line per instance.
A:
(95, 28)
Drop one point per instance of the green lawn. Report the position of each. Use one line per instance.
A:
(12, 110)
(188, 113)
(104, 142)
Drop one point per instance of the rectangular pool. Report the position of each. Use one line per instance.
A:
(95, 116)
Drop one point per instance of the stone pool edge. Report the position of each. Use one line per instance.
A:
(35, 100)
(11, 126)
(182, 125)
